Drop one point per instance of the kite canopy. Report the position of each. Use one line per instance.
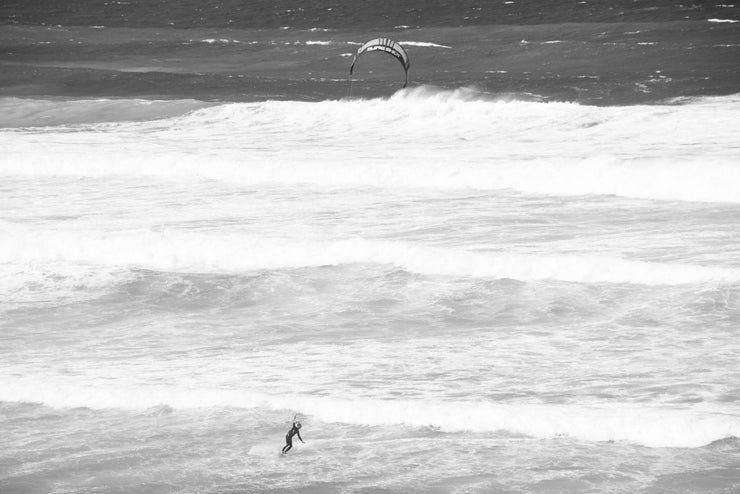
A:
(389, 46)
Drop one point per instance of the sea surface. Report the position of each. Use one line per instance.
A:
(521, 274)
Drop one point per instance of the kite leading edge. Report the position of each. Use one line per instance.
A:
(386, 45)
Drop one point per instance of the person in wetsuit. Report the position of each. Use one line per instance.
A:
(295, 430)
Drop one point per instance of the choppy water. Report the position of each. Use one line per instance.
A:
(457, 288)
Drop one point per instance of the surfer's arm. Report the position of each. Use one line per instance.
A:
(299, 436)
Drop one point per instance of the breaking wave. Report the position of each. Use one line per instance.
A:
(223, 252)
(648, 426)
(418, 138)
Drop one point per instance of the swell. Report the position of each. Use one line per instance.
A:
(23, 112)
(226, 253)
(644, 425)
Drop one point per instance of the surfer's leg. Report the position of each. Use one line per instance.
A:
(288, 444)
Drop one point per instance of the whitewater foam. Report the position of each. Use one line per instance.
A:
(682, 152)
(648, 426)
(229, 252)
(424, 44)
(672, 180)
(24, 284)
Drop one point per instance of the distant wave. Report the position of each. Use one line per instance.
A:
(645, 425)
(22, 112)
(219, 252)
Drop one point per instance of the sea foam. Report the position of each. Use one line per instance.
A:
(645, 425)
(420, 138)
(235, 252)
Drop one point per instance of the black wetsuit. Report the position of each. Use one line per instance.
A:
(289, 438)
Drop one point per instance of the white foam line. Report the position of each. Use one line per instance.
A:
(648, 426)
(218, 252)
(685, 152)
(424, 44)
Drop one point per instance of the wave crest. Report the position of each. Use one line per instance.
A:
(418, 138)
(19, 112)
(648, 426)
(220, 252)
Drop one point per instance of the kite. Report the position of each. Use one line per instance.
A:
(388, 46)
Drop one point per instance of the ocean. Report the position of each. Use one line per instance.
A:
(520, 274)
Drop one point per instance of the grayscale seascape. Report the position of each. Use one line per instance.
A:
(519, 274)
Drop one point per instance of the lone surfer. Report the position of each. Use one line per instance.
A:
(295, 430)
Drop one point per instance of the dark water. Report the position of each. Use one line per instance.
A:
(603, 53)
(362, 14)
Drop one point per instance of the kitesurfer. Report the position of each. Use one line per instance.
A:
(295, 430)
